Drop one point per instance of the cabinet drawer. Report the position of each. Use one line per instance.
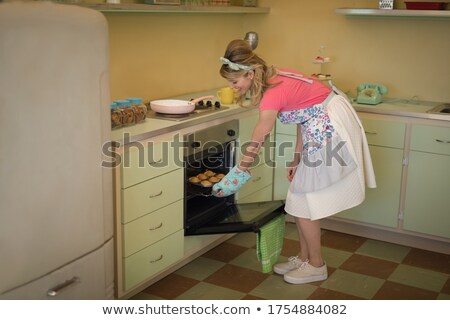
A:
(430, 139)
(85, 278)
(152, 227)
(151, 195)
(148, 160)
(261, 177)
(384, 133)
(153, 259)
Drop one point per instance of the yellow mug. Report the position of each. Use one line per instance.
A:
(226, 95)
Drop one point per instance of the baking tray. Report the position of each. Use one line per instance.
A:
(198, 188)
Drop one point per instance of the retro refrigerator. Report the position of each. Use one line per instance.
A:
(56, 207)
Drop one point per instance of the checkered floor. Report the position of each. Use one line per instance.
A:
(358, 268)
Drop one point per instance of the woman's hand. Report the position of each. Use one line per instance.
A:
(291, 169)
(231, 183)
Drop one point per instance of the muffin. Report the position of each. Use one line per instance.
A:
(214, 179)
(209, 173)
(220, 175)
(201, 176)
(194, 180)
(206, 183)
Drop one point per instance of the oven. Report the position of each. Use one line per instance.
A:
(214, 150)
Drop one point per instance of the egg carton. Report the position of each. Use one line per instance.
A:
(386, 4)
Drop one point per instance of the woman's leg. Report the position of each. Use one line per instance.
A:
(304, 252)
(309, 231)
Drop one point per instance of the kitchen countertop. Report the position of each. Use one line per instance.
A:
(404, 108)
(155, 127)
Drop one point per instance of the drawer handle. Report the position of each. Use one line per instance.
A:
(155, 228)
(442, 141)
(257, 179)
(370, 132)
(156, 260)
(60, 287)
(155, 195)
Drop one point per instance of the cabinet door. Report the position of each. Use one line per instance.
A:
(246, 126)
(263, 195)
(262, 167)
(284, 153)
(381, 205)
(261, 178)
(427, 207)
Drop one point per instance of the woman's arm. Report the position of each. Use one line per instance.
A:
(262, 129)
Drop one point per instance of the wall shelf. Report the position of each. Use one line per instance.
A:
(148, 8)
(395, 13)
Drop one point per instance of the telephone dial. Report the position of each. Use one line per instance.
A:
(370, 93)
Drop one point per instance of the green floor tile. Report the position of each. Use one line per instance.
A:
(334, 257)
(353, 283)
(247, 259)
(383, 250)
(200, 268)
(275, 288)
(206, 291)
(418, 277)
(245, 239)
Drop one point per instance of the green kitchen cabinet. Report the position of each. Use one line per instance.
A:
(427, 201)
(258, 187)
(149, 228)
(386, 141)
(381, 205)
(284, 153)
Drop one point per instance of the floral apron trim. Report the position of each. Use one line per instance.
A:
(317, 128)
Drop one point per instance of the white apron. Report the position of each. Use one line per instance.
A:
(336, 163)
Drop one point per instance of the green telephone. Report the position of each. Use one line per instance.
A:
(370, 93)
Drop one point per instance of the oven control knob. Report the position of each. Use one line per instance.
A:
(231, 133)
(195, 144)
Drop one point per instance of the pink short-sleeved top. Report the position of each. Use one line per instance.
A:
(293, 94)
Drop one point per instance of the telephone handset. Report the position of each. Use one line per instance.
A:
(370, 93)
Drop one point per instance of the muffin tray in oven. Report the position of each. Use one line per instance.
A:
(206, 179)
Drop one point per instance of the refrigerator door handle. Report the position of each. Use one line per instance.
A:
(60, 287)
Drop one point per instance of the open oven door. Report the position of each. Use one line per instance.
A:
(236, 218)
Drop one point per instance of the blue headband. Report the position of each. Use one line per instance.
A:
(235, 66)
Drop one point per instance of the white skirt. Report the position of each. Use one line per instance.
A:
(346, 191)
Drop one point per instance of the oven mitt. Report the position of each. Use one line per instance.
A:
(231, 183)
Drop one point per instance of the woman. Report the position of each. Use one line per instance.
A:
(331, 161)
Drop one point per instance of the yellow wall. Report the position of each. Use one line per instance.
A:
(160, 55)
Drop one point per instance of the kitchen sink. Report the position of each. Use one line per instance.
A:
(441, 109)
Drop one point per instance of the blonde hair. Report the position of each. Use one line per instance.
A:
(239, 51)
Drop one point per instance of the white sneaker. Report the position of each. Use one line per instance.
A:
(306, 273)
(293, 263)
